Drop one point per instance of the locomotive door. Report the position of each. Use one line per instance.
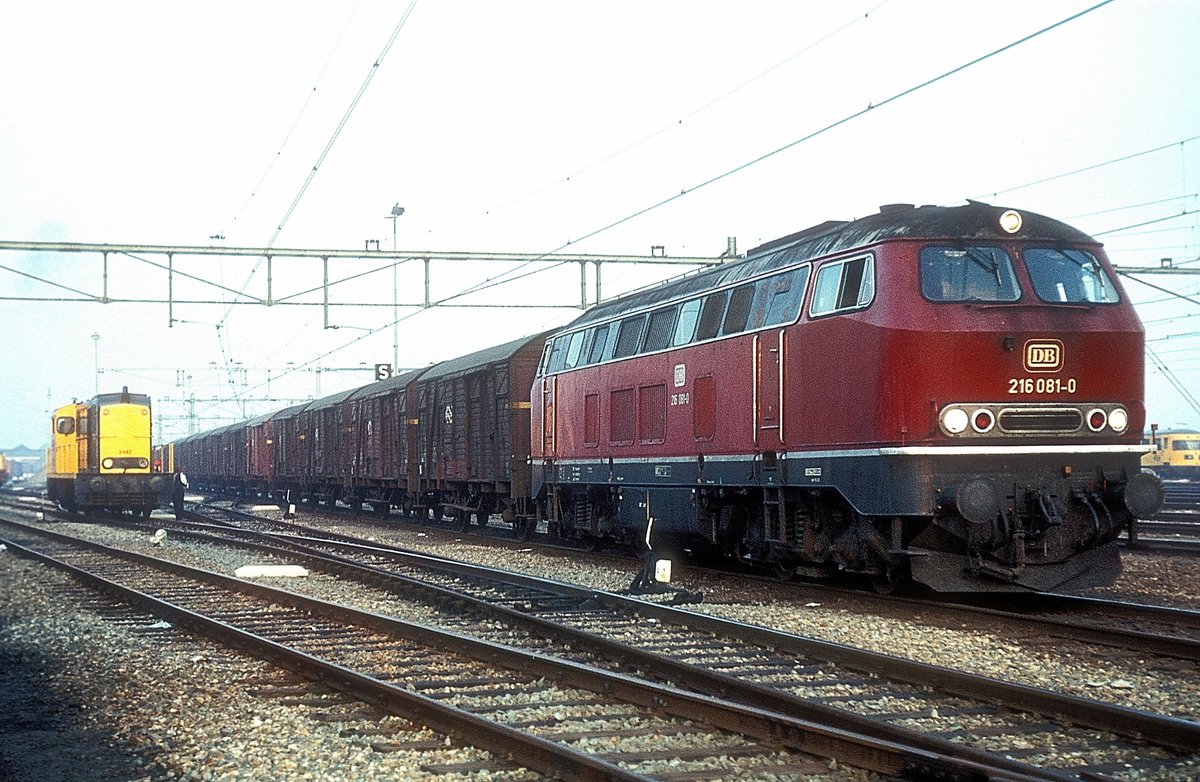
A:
(549, 441)
(768, 389)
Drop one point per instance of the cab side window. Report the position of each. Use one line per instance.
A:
(844, 285)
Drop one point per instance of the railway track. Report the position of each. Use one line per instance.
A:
(523, 706)
(1136, 627)
(771, 670)
(1172, 632)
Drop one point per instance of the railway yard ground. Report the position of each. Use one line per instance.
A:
(91, 689)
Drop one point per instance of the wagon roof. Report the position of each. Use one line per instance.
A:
(482, 358)
(332, 399)
(976, 221)
(207, 433)
(392, 384)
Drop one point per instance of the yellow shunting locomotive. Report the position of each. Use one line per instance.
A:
(100, 457)
(1176, 455)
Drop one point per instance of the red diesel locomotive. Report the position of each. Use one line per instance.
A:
(948, 395)
(951, 395)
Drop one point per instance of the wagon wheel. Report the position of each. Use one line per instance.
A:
(783, 572)
(463, 518)
(524, 527)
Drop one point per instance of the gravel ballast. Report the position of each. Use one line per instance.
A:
(158, 716)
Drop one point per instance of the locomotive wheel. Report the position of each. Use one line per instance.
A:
(885, 583)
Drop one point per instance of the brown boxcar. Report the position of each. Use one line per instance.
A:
(473, 432)
(289, 452)
(382, 446)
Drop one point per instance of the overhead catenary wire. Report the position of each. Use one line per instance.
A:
(371, 72)
(1091, 167)
(295, 122)
(337, 131)
(522, 271)
(678, 123)
(790, 145)
(1178, 385)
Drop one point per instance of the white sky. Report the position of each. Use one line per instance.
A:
(520, 127)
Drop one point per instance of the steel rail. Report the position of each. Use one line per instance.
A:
(1121, 720)
(539, 754)
(699, 679)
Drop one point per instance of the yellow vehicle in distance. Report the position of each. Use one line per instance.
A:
(1176, 455)
(100, 458)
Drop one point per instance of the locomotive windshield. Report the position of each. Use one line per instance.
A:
(968, 274)
(1068, 276)
(975, 273)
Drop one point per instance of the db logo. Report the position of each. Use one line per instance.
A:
(1044, 355)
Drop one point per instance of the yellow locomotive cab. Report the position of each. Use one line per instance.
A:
(64, 458)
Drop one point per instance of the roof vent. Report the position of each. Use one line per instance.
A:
(888, 209)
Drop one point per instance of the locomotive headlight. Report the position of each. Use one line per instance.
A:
(143, 463)
(107, 464)
(1010, 221)
(1118, 419)
(955, 420)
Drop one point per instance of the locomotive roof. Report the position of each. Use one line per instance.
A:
(121, 398)
(482, 358)
(976, 221)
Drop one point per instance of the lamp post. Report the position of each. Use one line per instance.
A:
(397, 210)
(96, 356)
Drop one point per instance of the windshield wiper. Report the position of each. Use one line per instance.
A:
(985, 262)
(1089, 263)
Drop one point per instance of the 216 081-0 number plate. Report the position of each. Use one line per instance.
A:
(1042, 385)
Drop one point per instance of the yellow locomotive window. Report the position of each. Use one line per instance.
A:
(65, 425)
